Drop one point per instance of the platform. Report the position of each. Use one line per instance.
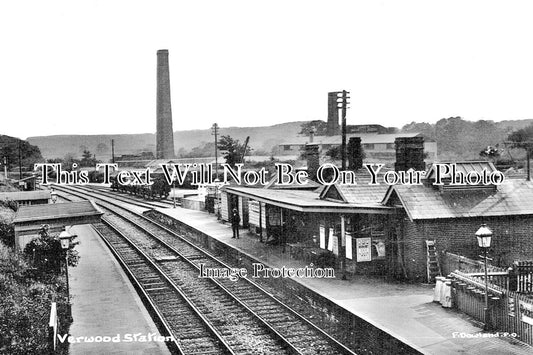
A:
(405, 311)
(104, 303)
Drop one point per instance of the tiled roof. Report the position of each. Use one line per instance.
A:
(513, 197)
(310, 185)
(464, 168)
(361, 194)
(56, 210)
(25, 195)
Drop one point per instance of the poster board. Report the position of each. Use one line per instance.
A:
(364, 249)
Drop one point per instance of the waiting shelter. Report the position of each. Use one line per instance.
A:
(29, 219)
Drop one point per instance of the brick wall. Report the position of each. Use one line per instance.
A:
(512, 240)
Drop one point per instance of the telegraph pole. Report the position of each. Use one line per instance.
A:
(342, 103)
(113, 151)
(214, 132)
(20, 160)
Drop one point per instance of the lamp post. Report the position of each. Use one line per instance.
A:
(53, 195)
(484, 238)
(65, 239)
(215, 129)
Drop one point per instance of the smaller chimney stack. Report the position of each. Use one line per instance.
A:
(409, 153)
(333, 127)
(355, 154)
(313, 160)
(312, 134)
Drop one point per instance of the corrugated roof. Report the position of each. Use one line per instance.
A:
(513, 197)
(305, 200)
(56, 210)
(25, 195)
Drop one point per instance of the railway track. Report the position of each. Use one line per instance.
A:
(191, 332)
(133, 199)
(232, 306)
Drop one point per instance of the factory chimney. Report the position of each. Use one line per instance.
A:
(313, 160)
(165, 134)
(333, 127)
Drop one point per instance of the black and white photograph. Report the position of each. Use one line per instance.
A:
(266, 177)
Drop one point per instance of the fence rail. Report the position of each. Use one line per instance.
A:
(509, 311)
(453, 262)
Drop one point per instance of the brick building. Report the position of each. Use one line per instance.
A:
(383, 229)
(451, 215)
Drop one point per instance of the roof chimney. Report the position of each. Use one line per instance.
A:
(313, 160)
(312, 134)
(409, 153)
(355, 154)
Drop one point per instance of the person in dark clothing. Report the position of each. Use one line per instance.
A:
(235, 219)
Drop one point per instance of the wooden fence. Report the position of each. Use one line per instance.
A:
(524, 276)
(453, 262)
(510, 312)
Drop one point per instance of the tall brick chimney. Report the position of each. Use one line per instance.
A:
(165, 134)
(313, 161)
(409, 153)
(355, 154)
(333, 127)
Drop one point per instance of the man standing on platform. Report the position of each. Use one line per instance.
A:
(235, 220)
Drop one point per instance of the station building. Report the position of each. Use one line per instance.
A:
(26, 198)
(385, 230)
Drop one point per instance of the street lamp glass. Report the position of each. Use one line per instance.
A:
(484, 236)
(64, 238)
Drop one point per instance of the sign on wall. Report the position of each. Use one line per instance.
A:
(526, 312)
(335, 245)
(348, 245)
(363, 248)
(253, 208)
(330, 239)
(224, 204)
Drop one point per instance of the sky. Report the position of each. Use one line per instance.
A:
(89, 67)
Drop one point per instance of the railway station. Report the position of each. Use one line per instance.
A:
(290, 268)
(424, 327)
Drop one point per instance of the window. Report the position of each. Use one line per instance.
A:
(390, 146)
(286, 147)
(368, 146)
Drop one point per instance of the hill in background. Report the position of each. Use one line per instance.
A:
(261, 139)
(457, 139)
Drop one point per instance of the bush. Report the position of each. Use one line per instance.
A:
(46, 254)
(7, 234)
(25, 307)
